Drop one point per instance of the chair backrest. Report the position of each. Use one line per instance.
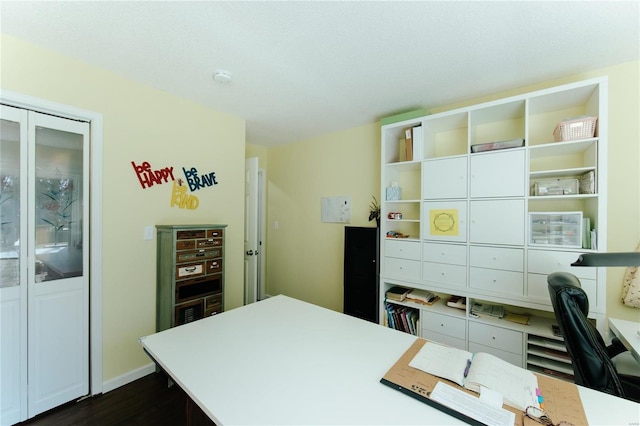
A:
(591, 365)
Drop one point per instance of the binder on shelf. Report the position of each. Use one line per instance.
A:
(417, 136)
(408, 144)
(586, 233)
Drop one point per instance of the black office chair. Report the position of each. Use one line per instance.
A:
(592, 359)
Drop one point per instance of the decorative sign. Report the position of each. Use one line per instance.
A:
(148, 177)
(180, 198)
(443, 222)
(195, 182)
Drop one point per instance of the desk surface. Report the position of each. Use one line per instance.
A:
(627, 332)
(283, 361)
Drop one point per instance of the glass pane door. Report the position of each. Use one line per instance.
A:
(9, 203)
(58, 204)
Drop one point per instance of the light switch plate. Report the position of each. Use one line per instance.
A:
(148, 232)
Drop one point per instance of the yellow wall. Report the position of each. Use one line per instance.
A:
(257, 151)
(305, 256)
(141, 124)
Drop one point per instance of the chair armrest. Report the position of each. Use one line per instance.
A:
(616, 347)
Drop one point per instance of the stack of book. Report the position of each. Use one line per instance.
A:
(421, 296)
(484, 309)
(402, 318)
(458, 302)
(397, 293)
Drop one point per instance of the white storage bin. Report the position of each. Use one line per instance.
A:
(562, 229)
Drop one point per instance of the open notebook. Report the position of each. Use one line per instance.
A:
(517, 386)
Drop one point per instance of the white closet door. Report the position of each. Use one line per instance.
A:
(13, 266)
(58, 272)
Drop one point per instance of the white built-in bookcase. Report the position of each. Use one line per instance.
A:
(466, 217)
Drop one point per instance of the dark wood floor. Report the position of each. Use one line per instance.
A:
(147, 401)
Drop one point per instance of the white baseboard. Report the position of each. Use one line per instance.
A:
(129, 377)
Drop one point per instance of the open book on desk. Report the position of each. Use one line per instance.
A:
(519, 387)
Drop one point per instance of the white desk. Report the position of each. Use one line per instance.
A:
(286, 362)
(627, 332)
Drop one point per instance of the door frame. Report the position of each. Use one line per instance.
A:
(95, 119)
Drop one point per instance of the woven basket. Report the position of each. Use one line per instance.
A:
(576, 128)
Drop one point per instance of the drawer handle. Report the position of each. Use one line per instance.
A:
(441, 325)
(199, 254)
(493, 337)
(192, 269)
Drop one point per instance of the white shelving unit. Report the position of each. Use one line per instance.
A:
(466, 216)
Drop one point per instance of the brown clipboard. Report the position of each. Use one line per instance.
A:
(561, 399)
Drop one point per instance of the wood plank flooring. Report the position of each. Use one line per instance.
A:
(146, 401)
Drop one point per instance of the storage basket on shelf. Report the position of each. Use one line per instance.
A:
(575, 128)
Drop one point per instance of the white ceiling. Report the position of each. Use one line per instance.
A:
(305, 68)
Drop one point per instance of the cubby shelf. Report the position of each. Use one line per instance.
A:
(468, 215)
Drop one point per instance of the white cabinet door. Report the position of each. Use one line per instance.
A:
(445, 220)
(498, 174)
(497, 222)
(445, 178)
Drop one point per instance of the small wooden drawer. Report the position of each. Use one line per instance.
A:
(496, 337)
(190, 256)
(214, 266)
(444, 324)
(214, 233)
(209, 242)
(190, 234)
(190, 270)
(185, 244)
(213, 305)
(188, 312)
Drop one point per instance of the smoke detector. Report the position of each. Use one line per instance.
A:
(222, 76)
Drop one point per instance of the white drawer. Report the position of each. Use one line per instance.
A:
(444, 253)
(452, 275)
(497, 281)
(402, 268)
(495, 337)
(515, 359)
(444, 324)
(538, 289)
(546, 262)
(402, 249)
(444, 339)
(497, 258)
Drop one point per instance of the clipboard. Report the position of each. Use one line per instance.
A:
(561, 399)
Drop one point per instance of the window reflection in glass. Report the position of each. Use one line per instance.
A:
(9, 203)
(58, 204)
